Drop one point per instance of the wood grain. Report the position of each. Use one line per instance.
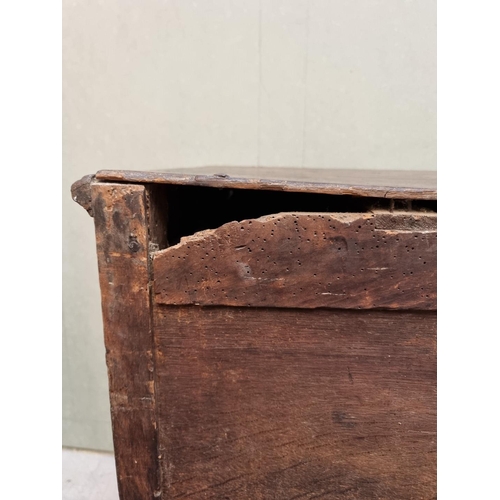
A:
(363, 261)
(319, 380)
(121, 222)
(392, 184)
(288, 404)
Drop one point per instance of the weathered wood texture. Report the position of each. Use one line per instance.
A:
(377, 183)
(384, 260)
(121, 222)
(287, 404)
(318, 381)
(81, 192)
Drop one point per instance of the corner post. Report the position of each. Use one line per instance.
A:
(122, 219)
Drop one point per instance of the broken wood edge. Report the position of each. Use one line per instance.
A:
(225, 282)
(81, 192)
(341, 217)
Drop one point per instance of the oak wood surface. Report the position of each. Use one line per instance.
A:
(121, 222)
(417, 185)
(381, 260)
(287, 404)
(305, 370)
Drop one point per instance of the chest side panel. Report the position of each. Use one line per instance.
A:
(288, 403)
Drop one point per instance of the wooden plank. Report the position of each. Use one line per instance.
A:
(360, 261)
(121, 222)
(288, 404)
(392, 184)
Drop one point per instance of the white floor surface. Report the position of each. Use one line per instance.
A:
(88, 475)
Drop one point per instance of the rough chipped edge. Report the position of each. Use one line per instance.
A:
(81, 192)
(343, 217)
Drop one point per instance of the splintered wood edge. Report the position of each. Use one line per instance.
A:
(347, 217)
(280, 260)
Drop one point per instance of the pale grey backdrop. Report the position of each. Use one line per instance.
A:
(170, 83)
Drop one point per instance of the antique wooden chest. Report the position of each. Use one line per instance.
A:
(270, 333)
